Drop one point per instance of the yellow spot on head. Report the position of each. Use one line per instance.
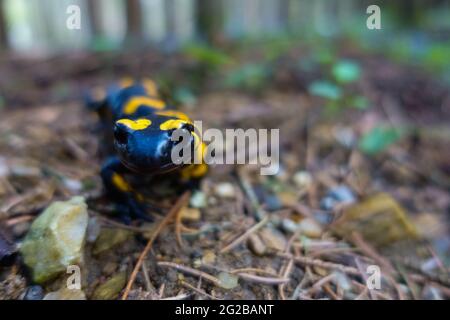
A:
(135, 102)
(120, 183)
(172, 124)
(139, 124)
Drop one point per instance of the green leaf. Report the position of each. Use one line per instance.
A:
(207, 55)
(184, 95)
(251, 76)
(360, 102)
(325, 89)
(378, 139)
(346, 71)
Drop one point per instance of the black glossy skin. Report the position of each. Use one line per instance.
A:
(141, 151)
(148, 150)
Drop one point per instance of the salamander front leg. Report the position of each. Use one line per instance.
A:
(121, 191)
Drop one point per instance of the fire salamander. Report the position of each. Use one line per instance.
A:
(140, 125)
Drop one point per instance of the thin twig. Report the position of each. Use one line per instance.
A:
(173, 211)
(198, 290)
(112, 223)
(190, 271)
(161, 290)
(285, 274)
(178, 226)
(364, 277)
(255, 270)
(246, 234)
(371, 252)
(260, 214)
(148, 283)
(318, 285)
(362, 294)
(263, 280)
(320, 263)
(181, 296)
(13, 221)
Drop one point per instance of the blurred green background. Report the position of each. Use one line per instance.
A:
(414, 31)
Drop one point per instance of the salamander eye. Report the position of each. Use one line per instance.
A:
(121, 134)
(188, 126)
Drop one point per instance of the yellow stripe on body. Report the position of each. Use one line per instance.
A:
(120, 183)
(194, 171)
(172, 124)
(150, 87)
(135, 102)
(139, 124)
(174, 113)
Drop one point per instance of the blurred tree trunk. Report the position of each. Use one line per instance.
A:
(94, 17)
(284, 15)
(210, 20)
(408, 11)
(171, 39)
(3, 32)
(134, 21)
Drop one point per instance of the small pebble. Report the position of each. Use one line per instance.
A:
(198, 200)
(272, 203)
(273, 239)
(288, 199)
(224, 190)
(256, 245)
(209, 257)
(345, 136)
(110, 267)
(73, 185)
(339, 194)
(228, 281)
(342, 281)
(110, 238)
(327, 203)
(190, 214)
(34, 293)
(111, 288)
(93, 229)
(342, 193)
(432, 293)
(324, 218)
(20, 229)
(429, 265)
(310, 228)
(22, 171)
(65, 294)
(302, 179)
(288, 225)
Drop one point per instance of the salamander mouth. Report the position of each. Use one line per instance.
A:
(150, 170)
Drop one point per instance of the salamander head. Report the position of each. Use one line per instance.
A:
(146, 144)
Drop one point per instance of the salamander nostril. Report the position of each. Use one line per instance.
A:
(120, 134)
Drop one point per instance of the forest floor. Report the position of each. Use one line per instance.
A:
(309, 232)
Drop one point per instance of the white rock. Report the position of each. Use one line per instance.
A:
(56, 239)
(225, 190)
